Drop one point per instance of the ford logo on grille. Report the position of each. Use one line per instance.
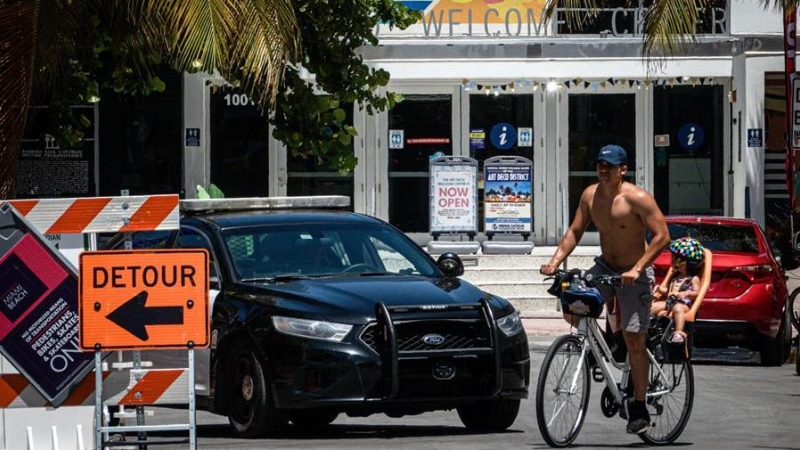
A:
(433, 339)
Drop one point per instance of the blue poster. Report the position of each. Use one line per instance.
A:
(477, 139)
(691, 136)
(503, 136)
(507, 198)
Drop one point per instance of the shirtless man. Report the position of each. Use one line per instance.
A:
(622, 213)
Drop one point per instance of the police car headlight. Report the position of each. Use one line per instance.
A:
(312, 329)
(510, 324)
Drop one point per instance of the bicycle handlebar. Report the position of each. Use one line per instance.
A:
(589, 279)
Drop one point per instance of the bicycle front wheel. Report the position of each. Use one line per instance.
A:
(669, 401)
(562, 392)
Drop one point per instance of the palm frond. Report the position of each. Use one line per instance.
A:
(779, 5)
(18, 20)
(670, 26)
(576, 12)
(55, 40)
(194, 31)
(266, 40)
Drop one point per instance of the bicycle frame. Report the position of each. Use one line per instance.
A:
(590, 333)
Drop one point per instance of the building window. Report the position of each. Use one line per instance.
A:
(140, 147)
(239, 144)
(308, 176)
(420, 128)
(596, 120)
(688, 149)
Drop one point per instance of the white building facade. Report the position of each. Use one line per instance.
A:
(704, 131)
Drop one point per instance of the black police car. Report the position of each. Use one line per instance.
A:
(318, 311)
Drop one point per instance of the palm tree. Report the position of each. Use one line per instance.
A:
(249, 42)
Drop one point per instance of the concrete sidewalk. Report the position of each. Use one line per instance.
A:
(545, 323)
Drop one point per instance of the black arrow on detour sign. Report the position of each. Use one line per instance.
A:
(133, 316)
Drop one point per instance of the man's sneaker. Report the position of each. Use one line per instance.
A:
(638, 426)
(638, 418)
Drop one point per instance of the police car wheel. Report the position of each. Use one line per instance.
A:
(251, 411)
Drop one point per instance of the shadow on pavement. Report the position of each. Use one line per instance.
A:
(333, 431)
(725, 356)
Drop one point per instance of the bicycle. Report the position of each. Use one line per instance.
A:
(564, 385)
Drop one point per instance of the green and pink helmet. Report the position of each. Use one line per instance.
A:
(687, 249)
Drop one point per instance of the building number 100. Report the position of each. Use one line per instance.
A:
(237, 100)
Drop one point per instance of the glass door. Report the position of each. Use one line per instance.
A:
(307, 175)
(499, 125)
(689, 131)
(239, 144)
(421, 127)
(594, 120)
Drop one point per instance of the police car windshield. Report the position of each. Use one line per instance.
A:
(323, 249)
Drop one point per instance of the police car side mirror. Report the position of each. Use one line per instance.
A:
(450, 264)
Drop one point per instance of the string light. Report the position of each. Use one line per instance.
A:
(552, 85)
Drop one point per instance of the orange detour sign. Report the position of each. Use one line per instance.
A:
(143, 299)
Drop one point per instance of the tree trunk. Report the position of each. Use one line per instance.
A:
(18, 19)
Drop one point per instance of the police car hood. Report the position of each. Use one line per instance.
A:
(359, 295)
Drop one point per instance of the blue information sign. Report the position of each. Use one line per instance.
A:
(503, 136)
(691, 136)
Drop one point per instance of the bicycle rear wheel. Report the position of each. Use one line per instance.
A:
(560, 404)
(669, 401)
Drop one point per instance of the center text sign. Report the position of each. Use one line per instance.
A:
(144, 299)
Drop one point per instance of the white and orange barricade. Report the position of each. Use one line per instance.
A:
(30, 422)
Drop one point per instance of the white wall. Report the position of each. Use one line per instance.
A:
(750, 17)
(753, 158)
(195, 109)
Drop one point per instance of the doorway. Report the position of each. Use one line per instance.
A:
(594, 120)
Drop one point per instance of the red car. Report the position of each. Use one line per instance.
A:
(746, 302)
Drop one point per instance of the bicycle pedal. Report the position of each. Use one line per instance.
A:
(597, 374)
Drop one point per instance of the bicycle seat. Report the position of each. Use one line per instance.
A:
(705, 283)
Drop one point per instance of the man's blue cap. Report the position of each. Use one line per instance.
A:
(613, 154)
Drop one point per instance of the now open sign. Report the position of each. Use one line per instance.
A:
(453, 194)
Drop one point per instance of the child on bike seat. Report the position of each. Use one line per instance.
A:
(682, 288)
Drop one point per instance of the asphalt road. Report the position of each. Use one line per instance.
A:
(738, 405)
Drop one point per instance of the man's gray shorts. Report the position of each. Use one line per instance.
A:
(634, 301)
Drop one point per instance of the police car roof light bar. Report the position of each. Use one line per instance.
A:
(238, 204)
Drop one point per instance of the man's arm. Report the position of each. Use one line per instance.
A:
(646, 208)
(572, 236)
